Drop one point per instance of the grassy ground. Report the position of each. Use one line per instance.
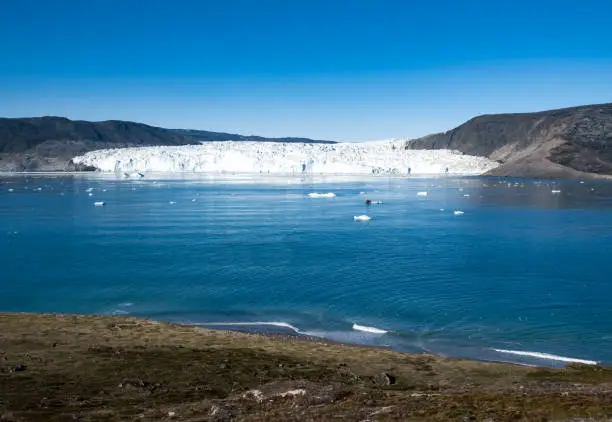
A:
(64, 367)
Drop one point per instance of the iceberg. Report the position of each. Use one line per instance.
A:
(365, 158)
(322, 195)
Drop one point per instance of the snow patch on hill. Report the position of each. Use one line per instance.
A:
(380, 157)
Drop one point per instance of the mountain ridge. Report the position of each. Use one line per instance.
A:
(49, 143)
(567, 142)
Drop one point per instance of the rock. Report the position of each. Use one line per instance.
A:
(385, 379)
(19, 368)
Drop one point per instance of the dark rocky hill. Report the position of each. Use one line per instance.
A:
(50, 143)
(570, 142)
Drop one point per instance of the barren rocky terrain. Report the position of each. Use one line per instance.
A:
(93, 368)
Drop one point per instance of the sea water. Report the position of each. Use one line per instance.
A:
(520, 274)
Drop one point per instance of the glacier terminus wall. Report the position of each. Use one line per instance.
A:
(367, 158)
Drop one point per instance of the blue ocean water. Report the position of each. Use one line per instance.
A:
(522, 270)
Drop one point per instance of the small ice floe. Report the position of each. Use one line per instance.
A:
(99, 203)
(555, 191)
(362, 218)
(582, 182)
(362, 193)
(421, 193)
(193, 200)
(103, 190)
(458, 212)
(467, 195)
(365, 329)
(321, 195)
(38, 189)
(442, 209)
(11, 190)
(172, 202)
(90, 194)
(89, 190)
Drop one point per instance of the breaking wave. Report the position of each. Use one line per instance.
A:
(372, 330)
(546, 356)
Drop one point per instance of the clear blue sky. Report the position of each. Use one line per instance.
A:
(332, 69)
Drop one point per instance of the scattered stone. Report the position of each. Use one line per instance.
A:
(385, 379)
(19, 368)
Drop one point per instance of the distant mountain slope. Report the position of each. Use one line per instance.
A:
(49, 143)
(205, 136)
(557, 143)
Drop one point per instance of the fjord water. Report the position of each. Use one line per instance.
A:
(523, 269)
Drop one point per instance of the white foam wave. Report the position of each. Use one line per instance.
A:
(547, 356)
(365, 329)
(251, 324)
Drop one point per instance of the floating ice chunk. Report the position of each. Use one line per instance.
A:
(99, 203)
(321, 195)
(362, 193)
(365, 329)
(421, 193)
(555, 191)
(362, 218)
(89, 190)
(582, 182)
(39, 189)
(172, 202)
(441, 209)
(467, 195)
(90, 194)
(11, 190)
(193, 200)
(458, 213)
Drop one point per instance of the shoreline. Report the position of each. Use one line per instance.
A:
(60, 366)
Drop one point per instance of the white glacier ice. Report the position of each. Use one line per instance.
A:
(366, 158)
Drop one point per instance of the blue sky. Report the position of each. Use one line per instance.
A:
(334, 69)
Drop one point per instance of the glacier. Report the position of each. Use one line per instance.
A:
(365, 158)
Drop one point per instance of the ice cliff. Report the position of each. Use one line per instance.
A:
(380, 157)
